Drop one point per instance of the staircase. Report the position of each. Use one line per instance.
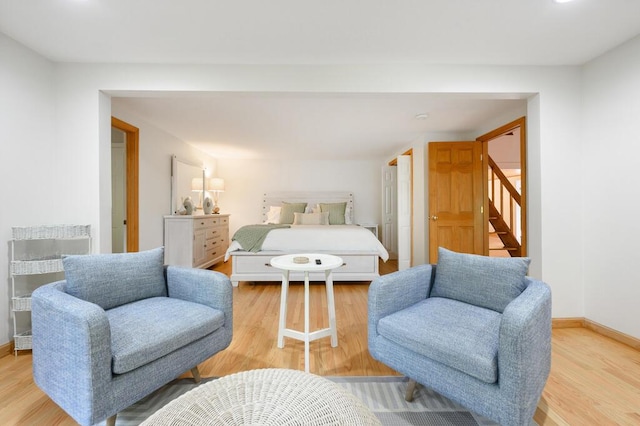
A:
(504, 205)
(502, 230)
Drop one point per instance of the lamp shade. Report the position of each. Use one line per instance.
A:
(216, 184)
(196, 184)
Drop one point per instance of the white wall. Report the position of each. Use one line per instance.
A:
(28, 154)
(553, 140)
(611, 184)
(156, 148)
(83, 136)
(29, 159)
(247, 180)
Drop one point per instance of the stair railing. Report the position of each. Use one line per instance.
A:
(505, 197)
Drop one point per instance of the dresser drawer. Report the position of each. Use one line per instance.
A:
(215, 232)
(205, 222)
(214, 242)
(213, 252)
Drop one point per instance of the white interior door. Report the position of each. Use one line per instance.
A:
(404, 211)
(118, 198)
(389, 209)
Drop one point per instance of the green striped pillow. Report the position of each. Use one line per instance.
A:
(288, 209)
(336, 212)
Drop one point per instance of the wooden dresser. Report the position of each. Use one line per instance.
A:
(197, 241)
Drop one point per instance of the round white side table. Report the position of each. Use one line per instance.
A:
(287, 264)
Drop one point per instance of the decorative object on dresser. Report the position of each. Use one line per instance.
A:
(36, 259)
(188, 206)
(207, 205)
(197, 241)
(357, 246)
(216, 185)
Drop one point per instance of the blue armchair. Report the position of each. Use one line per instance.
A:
(122, 325)
(474, 329)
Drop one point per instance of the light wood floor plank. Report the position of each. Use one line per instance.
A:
(594, 380)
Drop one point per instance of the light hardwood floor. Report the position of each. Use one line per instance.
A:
(594, 380)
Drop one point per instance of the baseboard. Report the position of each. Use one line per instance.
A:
(616, 335)
(567, 322)
(6, 349)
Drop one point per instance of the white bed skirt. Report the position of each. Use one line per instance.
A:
(357, 266)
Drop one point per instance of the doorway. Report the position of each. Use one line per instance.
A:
(506, 191)
(398, 209)
(125, 193)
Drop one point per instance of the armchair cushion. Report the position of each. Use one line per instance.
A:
(111, 280)
(453, 333)
(148, 329)
(484, 281)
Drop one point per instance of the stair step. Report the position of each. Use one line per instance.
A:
(503, 248)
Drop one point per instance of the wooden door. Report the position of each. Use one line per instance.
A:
(132, 181)
(456, 198)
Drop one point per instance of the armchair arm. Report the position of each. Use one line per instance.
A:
(396, 291)
(524, 353)
(201, 286)
(71, 346)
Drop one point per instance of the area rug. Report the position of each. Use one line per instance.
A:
(383, 395)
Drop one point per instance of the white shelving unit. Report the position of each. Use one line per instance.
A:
(36, 259)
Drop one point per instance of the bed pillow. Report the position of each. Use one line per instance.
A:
(336, 212)
(288, 209)
(273, 215)
(311, 218)
(490, 282)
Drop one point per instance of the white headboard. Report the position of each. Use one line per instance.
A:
(310, 197)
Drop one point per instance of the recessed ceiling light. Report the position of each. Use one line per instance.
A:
(422, 116)
(562, 1)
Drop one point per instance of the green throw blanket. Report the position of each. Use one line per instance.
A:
(251, 237)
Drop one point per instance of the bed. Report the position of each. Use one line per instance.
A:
(357, 246)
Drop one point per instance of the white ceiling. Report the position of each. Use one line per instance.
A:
(319, 126)
(525, 32)
(497, 32)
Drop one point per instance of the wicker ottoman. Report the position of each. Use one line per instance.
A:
(266, 397)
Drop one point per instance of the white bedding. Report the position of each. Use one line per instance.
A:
(330, 238)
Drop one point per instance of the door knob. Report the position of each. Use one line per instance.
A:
(434, 217)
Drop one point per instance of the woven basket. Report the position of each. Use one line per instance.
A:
(30, 267)
(50, 232)
(266, 397)
(23, 341)
(21, 303)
